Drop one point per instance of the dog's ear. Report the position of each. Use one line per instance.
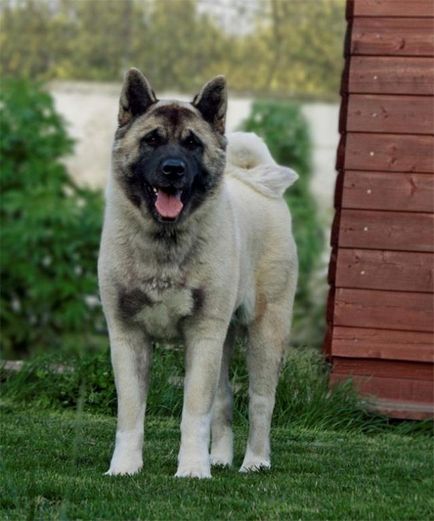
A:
(136, 96)
(212, 103)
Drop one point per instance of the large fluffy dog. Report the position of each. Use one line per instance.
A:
(196, 230)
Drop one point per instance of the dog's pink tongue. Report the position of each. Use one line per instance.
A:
(168, 205)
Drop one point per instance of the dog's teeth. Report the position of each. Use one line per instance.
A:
(155, 190)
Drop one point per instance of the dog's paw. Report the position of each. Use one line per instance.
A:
(123, 470)
(222, 453)
(193, 470)
(221, 458)
(255, 464)
(125, 466)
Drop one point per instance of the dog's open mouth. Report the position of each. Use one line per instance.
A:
(167, 202)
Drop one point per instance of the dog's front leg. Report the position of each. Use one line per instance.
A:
(130, 354)
(203, 359)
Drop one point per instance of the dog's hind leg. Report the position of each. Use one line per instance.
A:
(268, 336)
(221, 424)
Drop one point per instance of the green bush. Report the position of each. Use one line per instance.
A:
(286, 132)
(49, 229)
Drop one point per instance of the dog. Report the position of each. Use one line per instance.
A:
(196, 232)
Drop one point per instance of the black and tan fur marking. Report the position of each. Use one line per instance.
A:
(131, 302)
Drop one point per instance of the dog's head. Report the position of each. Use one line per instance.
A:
(169, 156)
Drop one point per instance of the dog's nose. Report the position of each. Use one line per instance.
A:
(173, 167)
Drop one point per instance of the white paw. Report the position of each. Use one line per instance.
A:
(222, 452)
(255, 464)
(199, 470)
(221, 458)
(126, 464)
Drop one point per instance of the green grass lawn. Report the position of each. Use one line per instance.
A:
(53, 464)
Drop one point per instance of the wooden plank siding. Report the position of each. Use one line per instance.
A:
(405, 398)
(391, 75)
(391, 114)
(395, 231)
(391, 388)
(392, 36)
(389, 152)
(382, 344)
(394, 191)
(380, 311)
(388, 8)
(396, 310)
(385, 368)
(385, 270)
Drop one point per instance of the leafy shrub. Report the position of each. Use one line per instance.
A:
(284, 129)
(59, 381)
(49, 229)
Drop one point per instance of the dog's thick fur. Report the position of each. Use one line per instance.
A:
(230, 250)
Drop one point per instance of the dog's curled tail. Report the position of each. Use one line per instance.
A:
(255, 166)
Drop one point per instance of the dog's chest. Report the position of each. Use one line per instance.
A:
(159, 305)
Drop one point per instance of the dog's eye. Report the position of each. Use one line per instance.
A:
(191, 142)
(152, 139)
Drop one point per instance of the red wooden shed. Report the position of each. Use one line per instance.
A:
(381, 276)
